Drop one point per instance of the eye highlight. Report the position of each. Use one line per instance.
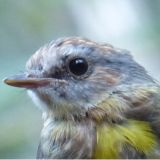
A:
(78, 66)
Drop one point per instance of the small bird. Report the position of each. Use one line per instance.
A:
(96, 101)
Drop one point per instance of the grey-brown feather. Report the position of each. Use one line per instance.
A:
(61, 140)
(129, 152)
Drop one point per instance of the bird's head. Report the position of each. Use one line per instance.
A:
(75, 74)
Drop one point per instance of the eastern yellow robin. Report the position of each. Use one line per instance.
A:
(97, 102)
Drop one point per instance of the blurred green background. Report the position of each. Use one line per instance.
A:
(25, 25)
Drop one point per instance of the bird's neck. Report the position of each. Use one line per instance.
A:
(65, 115)
(111, 109)
(62, 136)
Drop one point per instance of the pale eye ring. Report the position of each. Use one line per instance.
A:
(78, 66)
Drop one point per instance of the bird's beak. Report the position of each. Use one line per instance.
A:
(24, 82)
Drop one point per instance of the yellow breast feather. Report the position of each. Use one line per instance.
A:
(111, 138)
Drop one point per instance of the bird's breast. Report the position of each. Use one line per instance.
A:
(112, 140)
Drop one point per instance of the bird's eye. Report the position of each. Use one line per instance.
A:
(78, 66)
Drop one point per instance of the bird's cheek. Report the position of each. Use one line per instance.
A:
(111, 77)
(111, 80)
(105, 76)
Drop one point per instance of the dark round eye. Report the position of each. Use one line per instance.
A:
(78, 66)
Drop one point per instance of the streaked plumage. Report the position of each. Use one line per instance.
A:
(110, 111)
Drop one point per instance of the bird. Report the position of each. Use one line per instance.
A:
(96, 101)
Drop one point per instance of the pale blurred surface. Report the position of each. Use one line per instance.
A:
(25, 25)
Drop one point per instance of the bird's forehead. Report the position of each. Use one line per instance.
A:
(71, 46)
(75, 50)
(55, 52)
(74, 45)
(51, 55)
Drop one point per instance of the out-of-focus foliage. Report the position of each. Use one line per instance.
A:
(25, 25)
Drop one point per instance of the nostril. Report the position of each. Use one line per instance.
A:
(33, 74)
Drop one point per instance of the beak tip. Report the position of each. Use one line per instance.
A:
(5, 80)
(12, 80)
